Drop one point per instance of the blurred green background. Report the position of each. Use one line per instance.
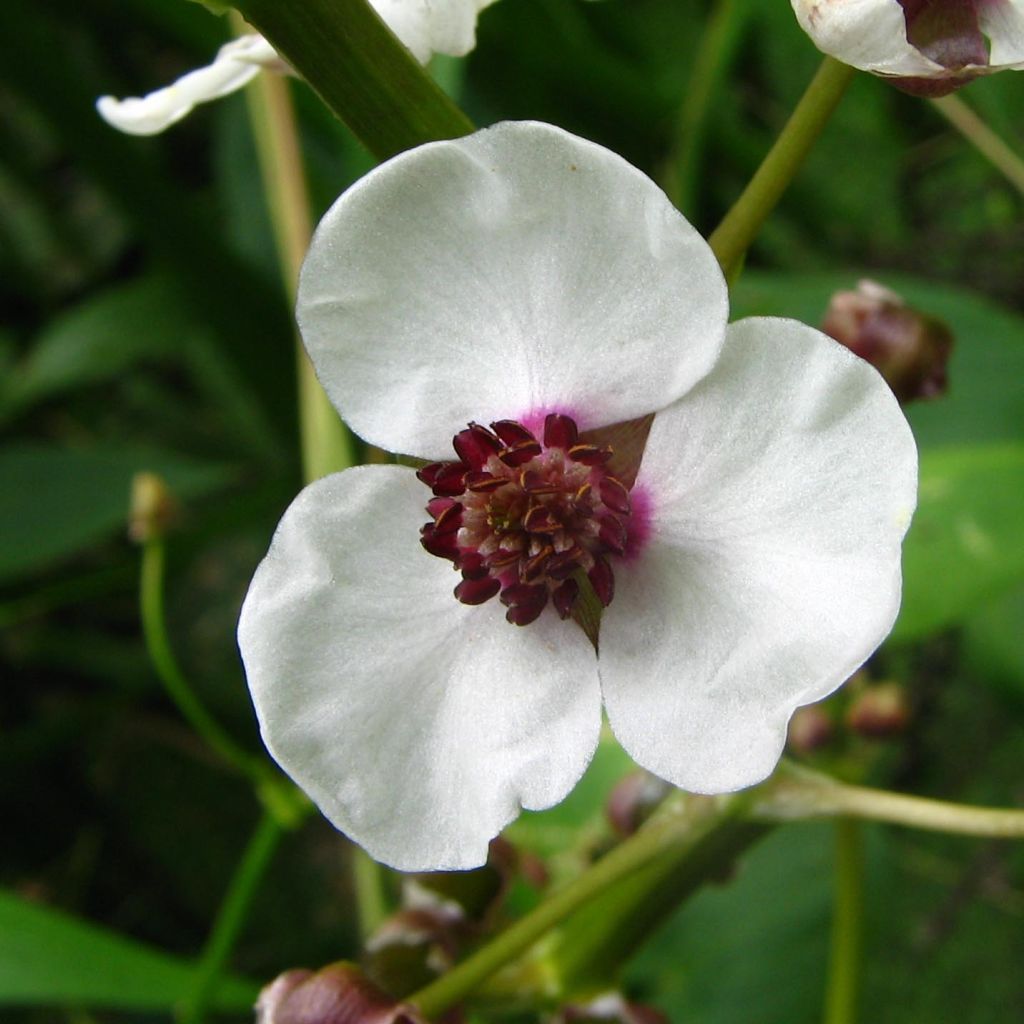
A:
(145, 328)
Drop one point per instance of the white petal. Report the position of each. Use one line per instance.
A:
(418, 725)
(515, 271)
(433, 26)
(780, 490)
(237, 62)
(1003, 22)
(868, 34)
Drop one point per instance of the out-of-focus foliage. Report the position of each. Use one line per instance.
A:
(144, 327)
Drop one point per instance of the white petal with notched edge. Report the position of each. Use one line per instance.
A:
(516, 270)
(419, 725)
(781, 488)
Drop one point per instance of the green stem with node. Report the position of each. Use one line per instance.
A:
(158, 645)
(733, 237)
(360, 70)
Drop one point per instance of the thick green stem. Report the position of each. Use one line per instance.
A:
(231, 917)
(154, 629)
(683, 833)
(731, 239)
(714, 54)
(844, 956)
(983, 138)
(361, 71)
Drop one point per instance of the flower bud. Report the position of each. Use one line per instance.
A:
(633, 801)
(924, 47)
(810, 729)
(909, 348)
(153, 508)
(336, 994)
(411, 948)
(879, 711)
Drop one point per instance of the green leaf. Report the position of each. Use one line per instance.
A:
(49, 958)
(965, 544)
(57, 501)
(985, 402)
(99, 339)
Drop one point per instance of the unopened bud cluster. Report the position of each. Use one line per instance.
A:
(909, 348)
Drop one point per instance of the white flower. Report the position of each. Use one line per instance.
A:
(526, 278)
(931, 46)
(426, 27)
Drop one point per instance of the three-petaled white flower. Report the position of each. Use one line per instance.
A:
(536, 282)
(930, 46)
(426, 27)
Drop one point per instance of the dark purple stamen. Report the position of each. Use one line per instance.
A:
(527, 519)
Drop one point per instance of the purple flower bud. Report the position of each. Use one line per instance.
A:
(336, 994)
(909, 348)
(810, 729)
(879, 711)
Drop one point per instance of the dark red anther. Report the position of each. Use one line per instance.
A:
(559, 431)
(563, 564)
(520, 453)
(437, 505)
(590, 454)
(503, 558)
(541, 519)
(614, 495)
(482, 482)
(449, 520)
(535, 566)
(612, 533)
(444, 478)
(442, 545)
(513, 433)
(476, 591)
(472, 565)
(536, 483)
(602, 579)
(563, 597)
(525, 602)
(476, 445)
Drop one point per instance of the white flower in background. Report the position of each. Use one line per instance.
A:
(527, 279)
(930, 46)
(426, 27)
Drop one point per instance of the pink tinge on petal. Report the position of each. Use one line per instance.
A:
(638, 528)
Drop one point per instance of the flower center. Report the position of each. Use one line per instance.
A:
(527, 518)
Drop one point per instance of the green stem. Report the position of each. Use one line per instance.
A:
(731, 239)
(368, 881)
(795, 793)
(672, 830)
(844, 957)
(326, 444)
(231, 917)
(983, 138)
(595, 942)
(154, 629)
(714, 54)
(360, 70)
